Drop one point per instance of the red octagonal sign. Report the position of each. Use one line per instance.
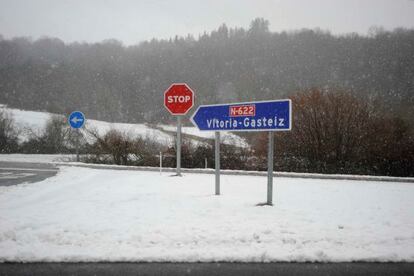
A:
(178, 98)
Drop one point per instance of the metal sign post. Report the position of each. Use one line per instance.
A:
(267, 116)
(178, 145)
(178, 99)
(77, 131)
(270, 169)
(160, 162)
(217, 161)
(76, 121)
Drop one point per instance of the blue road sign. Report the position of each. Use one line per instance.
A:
(76, 119)
(247, 116)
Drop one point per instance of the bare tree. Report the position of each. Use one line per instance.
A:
(8, 133)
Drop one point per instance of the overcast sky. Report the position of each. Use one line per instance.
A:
(133, 21)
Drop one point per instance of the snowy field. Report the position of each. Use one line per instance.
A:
(33, 122)
(37, 158)
(106, 215)
(226, 137)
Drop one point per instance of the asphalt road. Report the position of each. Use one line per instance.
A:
(13, 173)
(207, 269)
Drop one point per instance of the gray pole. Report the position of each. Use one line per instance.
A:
(270, 169)
(77, 133)
(217, 161)
(178, 145)
(160, 162)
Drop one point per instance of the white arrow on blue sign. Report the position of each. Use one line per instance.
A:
(248, 116)
(76, 119)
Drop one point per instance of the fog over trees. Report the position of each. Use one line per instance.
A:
(352, 95)
(109, 81)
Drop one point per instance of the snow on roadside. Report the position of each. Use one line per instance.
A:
(69, 160)
(37, 158)
(105, 215)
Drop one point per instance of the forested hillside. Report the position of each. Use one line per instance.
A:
(109, 81)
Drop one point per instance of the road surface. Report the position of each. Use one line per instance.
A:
(13, 173)
(207, 269)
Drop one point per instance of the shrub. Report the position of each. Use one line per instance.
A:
(8, 133)
(122, 149)
(56, 137)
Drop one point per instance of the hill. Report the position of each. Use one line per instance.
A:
(33, 122)
(116, 83)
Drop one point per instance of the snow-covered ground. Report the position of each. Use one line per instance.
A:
(132, 130)
(86, 214)
(37, 158)
(226, 137)
(29, 122)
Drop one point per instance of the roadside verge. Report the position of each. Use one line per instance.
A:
(239, 172)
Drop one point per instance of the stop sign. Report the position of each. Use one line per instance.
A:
(178, 98)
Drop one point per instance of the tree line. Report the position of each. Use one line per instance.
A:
(113, 82)
(352, 95)
(333, 132)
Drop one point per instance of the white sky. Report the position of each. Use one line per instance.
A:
(133, 21)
